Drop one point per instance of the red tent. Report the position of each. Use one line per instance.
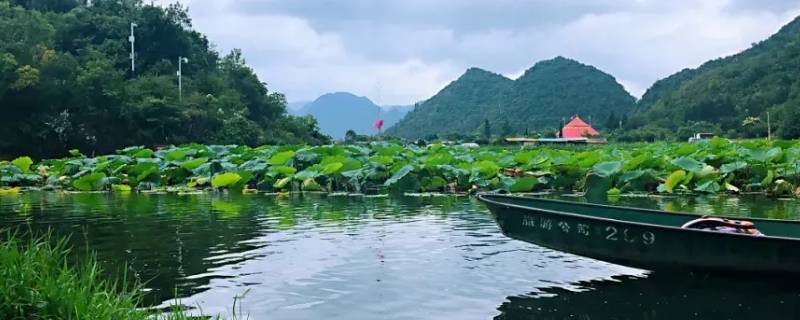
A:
(578, 129)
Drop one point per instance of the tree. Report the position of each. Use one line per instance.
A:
(505, 129)
(350, 136)
(487, 130)
(790, 124)
(65, 82)
(611, 122)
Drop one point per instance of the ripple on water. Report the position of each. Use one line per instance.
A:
(308, 257)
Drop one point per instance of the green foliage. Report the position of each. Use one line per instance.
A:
(548, 92)
(38, 281)
(91, 182)
(524, 184)
(23, 163)
(225, 179)
(673, 180)
(708, 166)
(65, 80)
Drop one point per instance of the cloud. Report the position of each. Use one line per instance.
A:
(399, 52)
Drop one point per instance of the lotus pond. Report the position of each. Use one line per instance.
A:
(708, 167)
(315, 255)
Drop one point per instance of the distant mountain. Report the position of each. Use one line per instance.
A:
(393, 114)
(342, 111)
(548, 92)
(733, 94)
(297, 108)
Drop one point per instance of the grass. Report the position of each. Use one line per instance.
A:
(37, 282)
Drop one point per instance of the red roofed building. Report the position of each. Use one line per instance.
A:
(578, 129)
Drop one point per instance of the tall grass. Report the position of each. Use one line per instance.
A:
(37, 282)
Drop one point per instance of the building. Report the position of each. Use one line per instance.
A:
(578, 129)
(575, 132)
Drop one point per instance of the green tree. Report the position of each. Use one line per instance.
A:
(612, 122)
(505, 129)
(65, 82)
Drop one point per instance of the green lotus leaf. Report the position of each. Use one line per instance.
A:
(709, 186)
(225, 179)
(733, 166)
(143, 153)
(90, 182)
(608, 168)
(281, 158)
(332, 168)
(284, 170)
(23, 163)
(524, 184)
(402, 172)
(281, 183)
(193, 164)
(175, 155)
(311, 185)
(673, 180)
(688, 164)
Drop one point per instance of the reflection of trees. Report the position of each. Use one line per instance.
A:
(174, 243)
(661, 296)
(161, 238)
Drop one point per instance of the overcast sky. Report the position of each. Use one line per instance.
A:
(402, 51)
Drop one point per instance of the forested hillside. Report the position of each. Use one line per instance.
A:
(548, 92)
(65, 82)
(731, 95)
(461, 107)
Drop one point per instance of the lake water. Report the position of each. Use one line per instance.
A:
(315, 256)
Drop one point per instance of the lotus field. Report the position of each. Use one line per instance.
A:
(713, 166)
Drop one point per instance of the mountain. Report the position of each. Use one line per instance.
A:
(544, 95)
(459, 107)
(341, 111)
(732, 95)
(297, 108)
(393, 114)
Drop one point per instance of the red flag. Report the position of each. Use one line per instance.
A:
(378, 124)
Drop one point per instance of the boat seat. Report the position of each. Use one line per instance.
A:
(723, 225)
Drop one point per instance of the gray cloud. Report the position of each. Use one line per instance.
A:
(401, 51)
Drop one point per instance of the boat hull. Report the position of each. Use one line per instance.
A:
(644, 246)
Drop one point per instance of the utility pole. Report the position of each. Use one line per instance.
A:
(181, 60)
(769, 127)
(132, 40)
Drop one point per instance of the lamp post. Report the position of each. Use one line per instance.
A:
(181, 60)
(769, 128)
(132, 40)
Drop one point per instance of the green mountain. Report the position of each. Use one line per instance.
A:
(731, 95)
(459, 107)
(66, 82)
(341, 111)
(548, 92)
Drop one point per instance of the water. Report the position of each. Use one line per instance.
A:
(312, 256)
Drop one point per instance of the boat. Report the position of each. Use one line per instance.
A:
(646, 239)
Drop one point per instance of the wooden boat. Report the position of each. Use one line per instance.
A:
(646, 239)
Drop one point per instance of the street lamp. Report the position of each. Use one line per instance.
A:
(132, 39)
(181, 61)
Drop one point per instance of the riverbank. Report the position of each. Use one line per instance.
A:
(39, 281)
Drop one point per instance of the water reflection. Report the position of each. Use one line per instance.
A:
(660, 296)
(316, 256)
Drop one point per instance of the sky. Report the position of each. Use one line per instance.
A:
(398, 52)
